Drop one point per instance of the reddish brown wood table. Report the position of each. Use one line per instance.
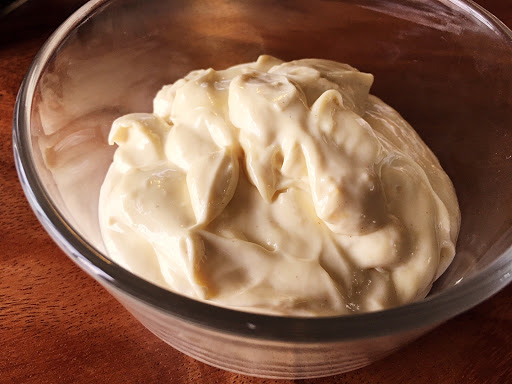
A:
(59, 326)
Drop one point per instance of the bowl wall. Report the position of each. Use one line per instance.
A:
(265, 358)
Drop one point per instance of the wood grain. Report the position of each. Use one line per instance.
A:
(58, 326)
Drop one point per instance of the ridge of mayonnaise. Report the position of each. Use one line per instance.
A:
(278, 187)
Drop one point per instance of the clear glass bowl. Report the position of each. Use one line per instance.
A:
(444, 64)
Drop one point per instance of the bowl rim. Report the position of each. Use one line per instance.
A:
(427, 313)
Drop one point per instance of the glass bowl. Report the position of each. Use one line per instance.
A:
(443, 64)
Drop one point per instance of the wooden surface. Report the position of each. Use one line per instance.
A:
(58, 326)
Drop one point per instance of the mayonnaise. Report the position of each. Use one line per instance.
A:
(277, 187)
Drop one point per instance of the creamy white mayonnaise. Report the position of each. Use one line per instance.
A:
(281, 188)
